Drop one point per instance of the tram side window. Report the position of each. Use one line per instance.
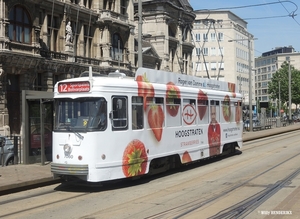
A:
(137, 113)
(173, 115)
(214, 111)
(238, 111)
(227, 110)
(202, 110)
(189, 112)
(155, 112)
(119, 114)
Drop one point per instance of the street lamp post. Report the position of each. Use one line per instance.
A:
(250, 86)
(290, 92)
(140, 52)
(279, 100)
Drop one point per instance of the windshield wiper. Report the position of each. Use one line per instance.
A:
(81, 137)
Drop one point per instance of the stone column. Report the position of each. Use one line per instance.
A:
(4, 119)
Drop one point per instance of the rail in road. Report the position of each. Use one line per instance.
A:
(259, 178)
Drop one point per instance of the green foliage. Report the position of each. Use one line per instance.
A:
(281, 77)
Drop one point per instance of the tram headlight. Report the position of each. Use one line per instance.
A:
(67, 149)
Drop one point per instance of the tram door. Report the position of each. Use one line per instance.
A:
(35, 131)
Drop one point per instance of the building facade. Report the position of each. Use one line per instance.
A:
(44, 41)
(267, 65)
(223, 49)
(167, 25)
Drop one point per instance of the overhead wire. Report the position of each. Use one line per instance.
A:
(255, 5)
(291, 14)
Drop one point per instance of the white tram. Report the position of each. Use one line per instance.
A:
(115, 127)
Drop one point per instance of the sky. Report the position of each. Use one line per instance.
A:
(275, 23)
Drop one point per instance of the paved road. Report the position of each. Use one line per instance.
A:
(17, 176)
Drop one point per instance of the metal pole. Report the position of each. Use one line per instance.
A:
(119, 54)
(140, 55)
(279, 100)
(290, 93)
(250, 88)
(42, 135)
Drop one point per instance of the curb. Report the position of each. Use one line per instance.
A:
(7, 189)
(270, 132)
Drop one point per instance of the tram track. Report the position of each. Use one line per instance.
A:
(236, 211)
(248, 205)
(183, 211)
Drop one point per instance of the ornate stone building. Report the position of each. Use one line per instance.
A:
(167, 25)
(44, 41)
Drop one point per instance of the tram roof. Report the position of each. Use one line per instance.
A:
(155, 77)
(182, 80)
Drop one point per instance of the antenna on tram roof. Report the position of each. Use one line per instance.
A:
(91, 75)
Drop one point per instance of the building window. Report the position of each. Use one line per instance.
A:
(52, 37)
(184, 32)
(198, 37)
(213, 36)
(198, 66)
(117, 48)
(108, 5)
(213, 51)
(221, 51)
(205, 37)
(221, 65)
(75, 1)
(220, 37)
(123, 8)
(213, 66)
(19, 25)
(205, 51)
(87, 41)
(87, 3)
(38, 82)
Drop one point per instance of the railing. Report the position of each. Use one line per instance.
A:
(24, 48)
(53, 55)
(63, 56)
(84, 60)
(105, 14)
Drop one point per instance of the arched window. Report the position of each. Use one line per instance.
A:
(19, 25)
(117, 47)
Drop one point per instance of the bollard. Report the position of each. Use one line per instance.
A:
(16, 150)
(2, 151)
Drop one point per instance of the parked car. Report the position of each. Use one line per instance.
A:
(255, 123)
(6, 152)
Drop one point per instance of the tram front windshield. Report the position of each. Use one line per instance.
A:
(81, 114)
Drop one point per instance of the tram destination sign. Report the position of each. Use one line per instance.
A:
(71, 87)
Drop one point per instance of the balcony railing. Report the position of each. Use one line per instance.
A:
(84, 60)
(110, 15)
(53, 55)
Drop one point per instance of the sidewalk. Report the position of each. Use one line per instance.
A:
(248, 136)
(16, 176)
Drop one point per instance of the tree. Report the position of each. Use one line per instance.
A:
(282, 76)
